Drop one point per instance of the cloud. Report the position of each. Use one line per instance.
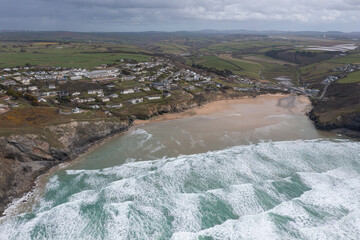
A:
(119, 15)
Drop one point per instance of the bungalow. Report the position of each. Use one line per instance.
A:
(76, 110)
(75, 78)
(62, 93)
(127, 91)
(76, 94)
(4, 106)
(91, 99)
(52, 86)
(99, 91)
(191, 87)
(80, 100)
(114, 95)
(32, 88)
(136, 100)
(105, 99)
(128, 78)
(115, 106)
(48, 94)
(153, 97)
(95, 106)
(26, 81)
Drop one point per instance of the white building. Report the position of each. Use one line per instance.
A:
(76, 77)
(32, 88)
(153, 97)
(115, 106)
(127, 91)
(136, 100)
(76, 110)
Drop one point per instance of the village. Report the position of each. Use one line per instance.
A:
(109, 88)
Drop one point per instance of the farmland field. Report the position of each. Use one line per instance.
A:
(351, 78)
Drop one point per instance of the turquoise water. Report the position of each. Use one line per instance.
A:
(204, 178)
(305, 189)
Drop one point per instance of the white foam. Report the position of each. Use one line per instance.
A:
(164, 198)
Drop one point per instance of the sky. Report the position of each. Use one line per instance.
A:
(179, 15)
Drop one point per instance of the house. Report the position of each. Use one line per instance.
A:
(76, 110)
(4, 106)
(75, 78)
(52, 86)
(153, 97)
(62, 80)
(115, 106)
(127, 91)
(105, 99)
(76, 94)
(48, 94)
(25, 81)
(95, 106)
(166, 95)
(114, 95)
(191, 87)
(128, 78)
(136, 100)
(32, 88)
(62, 93)
(99, 91)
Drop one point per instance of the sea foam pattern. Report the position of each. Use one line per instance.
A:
(281, 190)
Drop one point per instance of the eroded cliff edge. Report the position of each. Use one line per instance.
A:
(24, 157)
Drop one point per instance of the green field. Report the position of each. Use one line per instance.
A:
(351, 58)
(68, 55)
(351, 78)
(237, 66)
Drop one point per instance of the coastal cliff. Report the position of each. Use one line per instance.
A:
(338, 110)
(24, 157)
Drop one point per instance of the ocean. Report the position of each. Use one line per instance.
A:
(234, 174)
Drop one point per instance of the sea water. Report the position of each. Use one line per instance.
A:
(204, 178)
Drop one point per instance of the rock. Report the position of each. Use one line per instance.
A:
(25, 157)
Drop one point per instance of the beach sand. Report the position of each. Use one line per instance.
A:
(296, 104)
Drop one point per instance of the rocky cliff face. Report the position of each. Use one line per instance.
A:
(24, 157)
(349, 121)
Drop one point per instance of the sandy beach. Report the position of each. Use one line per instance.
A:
(297, 104)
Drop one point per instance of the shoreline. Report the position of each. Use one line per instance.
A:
(26, 201)
(220, 105)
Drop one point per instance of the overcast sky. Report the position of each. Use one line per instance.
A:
(174, 15)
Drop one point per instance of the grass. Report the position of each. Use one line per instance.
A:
(237, 66)
(351, 78)
(351, 58)
(69, 55)
(29, 117)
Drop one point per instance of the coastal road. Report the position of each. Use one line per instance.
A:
(324, 92)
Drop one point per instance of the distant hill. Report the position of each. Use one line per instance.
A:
(140, 37)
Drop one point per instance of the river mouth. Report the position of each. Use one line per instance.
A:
(247, 168)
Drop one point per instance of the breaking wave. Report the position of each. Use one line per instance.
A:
(281, 190)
